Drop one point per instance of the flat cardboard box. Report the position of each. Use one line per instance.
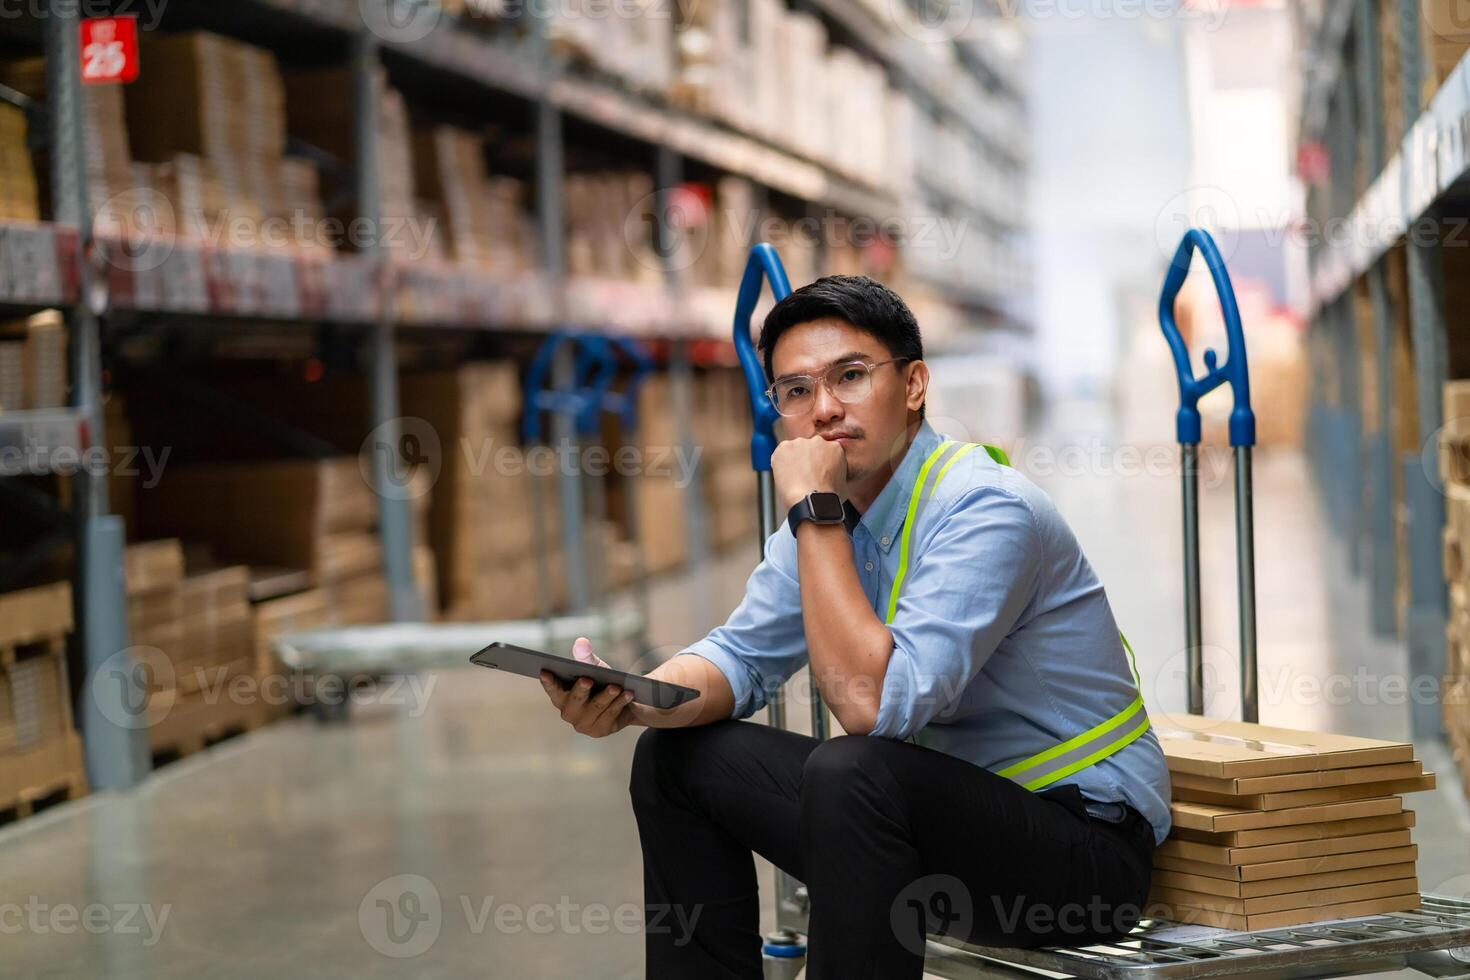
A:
(1212, 817)
(1308, 797)
(1294, 917)
(1164, 878)
(1215, 854)
(1295, 866)
(35, 614)
(1298, 832)
(1285, 901)
(1235, 749)
(1320, 779)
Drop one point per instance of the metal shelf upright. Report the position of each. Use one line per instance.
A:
(116, 751)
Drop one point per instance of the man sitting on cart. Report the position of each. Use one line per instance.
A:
(998, 781)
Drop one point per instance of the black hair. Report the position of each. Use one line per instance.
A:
(865, 303)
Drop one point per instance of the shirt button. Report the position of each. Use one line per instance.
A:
(869, 566)
(885, 540)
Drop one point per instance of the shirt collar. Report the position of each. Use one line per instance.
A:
(884, 519)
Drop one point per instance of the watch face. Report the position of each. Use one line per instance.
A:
(826, 507)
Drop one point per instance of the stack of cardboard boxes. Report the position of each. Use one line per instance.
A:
(720, 471)
(1444, 37)
(636, 46)
(20, 198)
(319, 111)
(610, 227)
(207, 120)
(40, 752)
(105, 135)
(482, 519)
(318, 516)
(762, 69)
(195, 634)
(1454, 468)
(1276, 827)
(482, 219)
(33, 362)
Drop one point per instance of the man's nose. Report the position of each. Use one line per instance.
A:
(827, 408)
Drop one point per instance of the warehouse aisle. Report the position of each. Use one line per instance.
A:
(474, 831)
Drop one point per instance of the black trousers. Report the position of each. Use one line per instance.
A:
(892, 840)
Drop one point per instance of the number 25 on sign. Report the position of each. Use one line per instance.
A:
(109, 50)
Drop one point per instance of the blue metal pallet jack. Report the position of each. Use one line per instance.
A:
(1435, 938)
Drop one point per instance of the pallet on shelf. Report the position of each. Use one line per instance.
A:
(40, 751)
(52, 770)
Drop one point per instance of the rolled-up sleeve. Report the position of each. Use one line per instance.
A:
(763, 642)
(969, 581)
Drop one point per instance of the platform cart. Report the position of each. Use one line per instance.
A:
(1433, 939)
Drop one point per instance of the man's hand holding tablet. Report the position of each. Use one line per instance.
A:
(592, 714)
(599, 712)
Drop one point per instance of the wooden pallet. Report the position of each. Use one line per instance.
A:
(34, 778)
(193, 725)
(65, 787)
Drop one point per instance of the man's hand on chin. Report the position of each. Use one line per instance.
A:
(807, 465)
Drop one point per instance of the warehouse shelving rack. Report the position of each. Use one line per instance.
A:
(1424, 179)
(58, 264)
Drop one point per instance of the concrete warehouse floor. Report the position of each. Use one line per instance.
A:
(270, 854)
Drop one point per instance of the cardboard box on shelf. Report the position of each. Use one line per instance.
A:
(306, 610)
(34, 615)
(31, 774)
(35, 699)
(269, 512)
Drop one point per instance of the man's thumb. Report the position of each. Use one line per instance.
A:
(582, 650)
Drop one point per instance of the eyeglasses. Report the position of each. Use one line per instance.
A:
(850, 382)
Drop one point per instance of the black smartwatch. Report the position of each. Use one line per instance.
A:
(820, 507)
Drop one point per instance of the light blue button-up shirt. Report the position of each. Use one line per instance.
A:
(1004, 643)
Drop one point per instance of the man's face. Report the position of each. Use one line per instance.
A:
(872, 431)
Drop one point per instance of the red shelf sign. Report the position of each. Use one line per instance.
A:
(109, 50)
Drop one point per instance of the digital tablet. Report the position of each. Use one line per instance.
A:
(530, 663)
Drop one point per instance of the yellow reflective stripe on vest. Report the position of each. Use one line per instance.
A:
(1076, 753)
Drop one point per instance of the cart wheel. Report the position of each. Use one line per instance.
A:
(331, 705)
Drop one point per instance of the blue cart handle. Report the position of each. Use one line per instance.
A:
(596, 363)
(764, 264)
(538, 396)
(642, 367)
(1234, 370)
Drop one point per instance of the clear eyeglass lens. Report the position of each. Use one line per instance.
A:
(848, 383)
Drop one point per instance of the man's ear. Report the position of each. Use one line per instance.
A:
(918, 386)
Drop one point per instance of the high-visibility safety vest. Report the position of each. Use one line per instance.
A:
(1076, 753)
